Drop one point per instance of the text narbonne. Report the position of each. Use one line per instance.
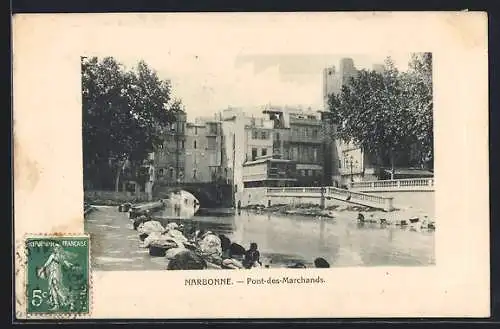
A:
(254, 281)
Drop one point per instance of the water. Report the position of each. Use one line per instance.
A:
(281, 239)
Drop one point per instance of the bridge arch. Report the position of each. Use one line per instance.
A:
(209, 195)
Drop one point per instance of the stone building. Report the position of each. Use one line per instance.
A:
(298, 136)
(169, 160)
(205, 152)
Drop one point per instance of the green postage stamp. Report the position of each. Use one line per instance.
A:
(58, 275)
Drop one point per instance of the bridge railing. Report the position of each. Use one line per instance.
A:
(360, 197)
(342, 194)
(403, 184)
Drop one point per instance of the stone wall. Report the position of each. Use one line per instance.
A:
(114, 197)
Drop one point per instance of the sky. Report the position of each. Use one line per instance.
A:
(209, 83)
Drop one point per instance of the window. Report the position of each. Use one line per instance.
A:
(194, 144)
(315, 133)
(263, 135)
(196, 131)
(277, 136)
(302, 172)
(310, 172)
(160, 172)
(306, 132)
(213, 129)
(340, 164)
(182, 144)
(254, 153)
(264, 152)
(225, 172)
(315, 155)
(171, 173)
(194, 173)
(160, 146)
(255, 135)
(212, 143)
(295, 153)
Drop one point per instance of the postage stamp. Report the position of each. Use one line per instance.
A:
(58, 274)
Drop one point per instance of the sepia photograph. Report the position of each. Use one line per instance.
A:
(330, 165)
(296, 163)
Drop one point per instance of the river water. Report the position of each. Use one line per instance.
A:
(281, 239)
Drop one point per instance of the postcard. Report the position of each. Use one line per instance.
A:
(251, 165)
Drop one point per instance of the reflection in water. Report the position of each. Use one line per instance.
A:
(281, 239)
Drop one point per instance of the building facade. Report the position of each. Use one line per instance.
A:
(192, 152)
(269, 171)
(205, 152)
(170, 159)
(298, 135)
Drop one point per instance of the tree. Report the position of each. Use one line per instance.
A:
(386, 113)
(418, 84)
(124, 112)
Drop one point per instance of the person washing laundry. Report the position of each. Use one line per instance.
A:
(252, 257)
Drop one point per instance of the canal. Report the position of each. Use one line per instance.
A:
(281, 239)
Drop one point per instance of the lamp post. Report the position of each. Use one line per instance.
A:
(351, 161)
(326, 124)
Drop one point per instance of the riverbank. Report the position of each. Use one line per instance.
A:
(110, 202)
(361, 214)
(307, 209)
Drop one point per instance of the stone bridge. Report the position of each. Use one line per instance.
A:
(210, 195)
(329, 192)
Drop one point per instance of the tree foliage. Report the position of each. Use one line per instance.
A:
(124, 112)
(388, 114)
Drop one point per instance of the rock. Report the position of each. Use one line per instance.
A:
(186, 260)
(225, 242)
(171, 252)
(327, 213)
(156, 251)
(321, 263)
(236, 249)
(342, 208)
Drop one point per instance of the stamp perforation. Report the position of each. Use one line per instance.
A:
(90, 279)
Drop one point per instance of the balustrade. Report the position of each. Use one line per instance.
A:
(362, 198)
(407, 183)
